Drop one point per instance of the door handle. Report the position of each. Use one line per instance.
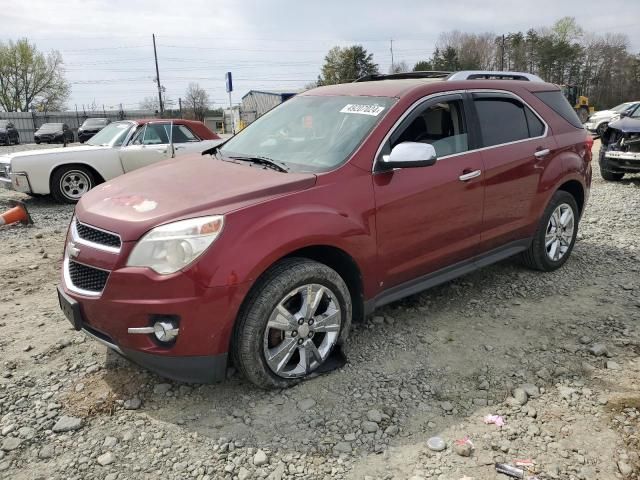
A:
(542, 153)
(468, 176)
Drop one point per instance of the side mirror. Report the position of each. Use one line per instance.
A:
(624, 113)
(410, 154)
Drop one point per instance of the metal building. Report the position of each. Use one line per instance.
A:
(258, 102)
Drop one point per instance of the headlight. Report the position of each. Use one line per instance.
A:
(171, 247)
(6, 168)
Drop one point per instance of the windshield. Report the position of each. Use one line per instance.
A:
(634, 112)
(310, 133)
(621, 107)
(51, 127)
(112, 135)
(94, 122)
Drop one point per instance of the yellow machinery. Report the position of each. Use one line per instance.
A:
(579, 102)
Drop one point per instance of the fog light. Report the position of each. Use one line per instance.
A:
(165, 331)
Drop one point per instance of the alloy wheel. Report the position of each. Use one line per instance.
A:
(559, 235)
(302, 330)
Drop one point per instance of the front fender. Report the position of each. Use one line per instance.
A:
(254, 238)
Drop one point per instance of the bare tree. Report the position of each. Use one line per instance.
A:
(149, 103)
(399, 67)
(31, 79)
(196, 101)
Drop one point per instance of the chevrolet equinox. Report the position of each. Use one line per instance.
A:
(261, 251)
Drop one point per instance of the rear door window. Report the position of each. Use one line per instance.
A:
(505, 119)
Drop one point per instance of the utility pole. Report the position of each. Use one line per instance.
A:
(155, 54)
(180, 105)
(391, 48)
(502, 56)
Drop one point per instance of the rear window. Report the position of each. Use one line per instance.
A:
(559, 104)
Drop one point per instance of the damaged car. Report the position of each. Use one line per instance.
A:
(620, 150)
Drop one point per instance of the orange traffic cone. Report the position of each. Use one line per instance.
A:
(16, 214)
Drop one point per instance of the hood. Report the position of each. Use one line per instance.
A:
(603, 113)
(55, 151)
(184, 187)
(626, 125)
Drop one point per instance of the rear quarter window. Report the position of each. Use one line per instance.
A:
(559, 104)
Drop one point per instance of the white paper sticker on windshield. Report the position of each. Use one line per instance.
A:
(374, 109)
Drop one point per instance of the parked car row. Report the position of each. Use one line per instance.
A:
(53, 132)
(118, 148)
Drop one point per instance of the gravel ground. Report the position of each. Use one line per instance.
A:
(556, 355)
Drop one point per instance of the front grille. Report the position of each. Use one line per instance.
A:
(87, 278)
(100, 237)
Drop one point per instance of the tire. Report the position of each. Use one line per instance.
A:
(601, 128)
(70, 182)
(607, 174)
(541, 254)
(285, 285)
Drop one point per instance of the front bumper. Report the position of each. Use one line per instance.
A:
(618, 161)
(133, 297)
(107, 323)
(17, 181)
(194, 369)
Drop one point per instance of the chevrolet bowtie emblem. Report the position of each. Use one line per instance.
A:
(73, 250)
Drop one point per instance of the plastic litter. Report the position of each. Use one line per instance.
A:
(497, 420)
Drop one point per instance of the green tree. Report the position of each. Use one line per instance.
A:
(342, 65)
(422, 65)
(31, 79)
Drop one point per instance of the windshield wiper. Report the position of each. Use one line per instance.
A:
(267, 162)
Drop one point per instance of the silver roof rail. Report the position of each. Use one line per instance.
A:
(490, 75)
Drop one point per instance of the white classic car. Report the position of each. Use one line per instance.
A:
(120, 147)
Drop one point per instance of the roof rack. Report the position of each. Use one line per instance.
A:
(489, 75)
(403, 75)
(450, 76)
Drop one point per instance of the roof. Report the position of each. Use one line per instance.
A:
(199, 128)
(402, 87)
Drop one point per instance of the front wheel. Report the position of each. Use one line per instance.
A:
(290, 323)
(555, 237)
(70, 182)
(601, 128)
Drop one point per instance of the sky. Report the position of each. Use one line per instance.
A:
(276, 44)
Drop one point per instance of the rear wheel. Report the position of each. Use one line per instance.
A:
(291, 322)
(556, 234)
(70, 182)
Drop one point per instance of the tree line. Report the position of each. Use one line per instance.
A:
(602, 66)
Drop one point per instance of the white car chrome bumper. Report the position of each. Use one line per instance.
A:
(17, 181)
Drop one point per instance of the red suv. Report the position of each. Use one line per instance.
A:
(342, 199)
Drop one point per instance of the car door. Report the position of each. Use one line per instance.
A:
(516, 148)
(149, 145)
(428, 218)
(185, 141)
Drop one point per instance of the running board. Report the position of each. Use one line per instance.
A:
(446, 274)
